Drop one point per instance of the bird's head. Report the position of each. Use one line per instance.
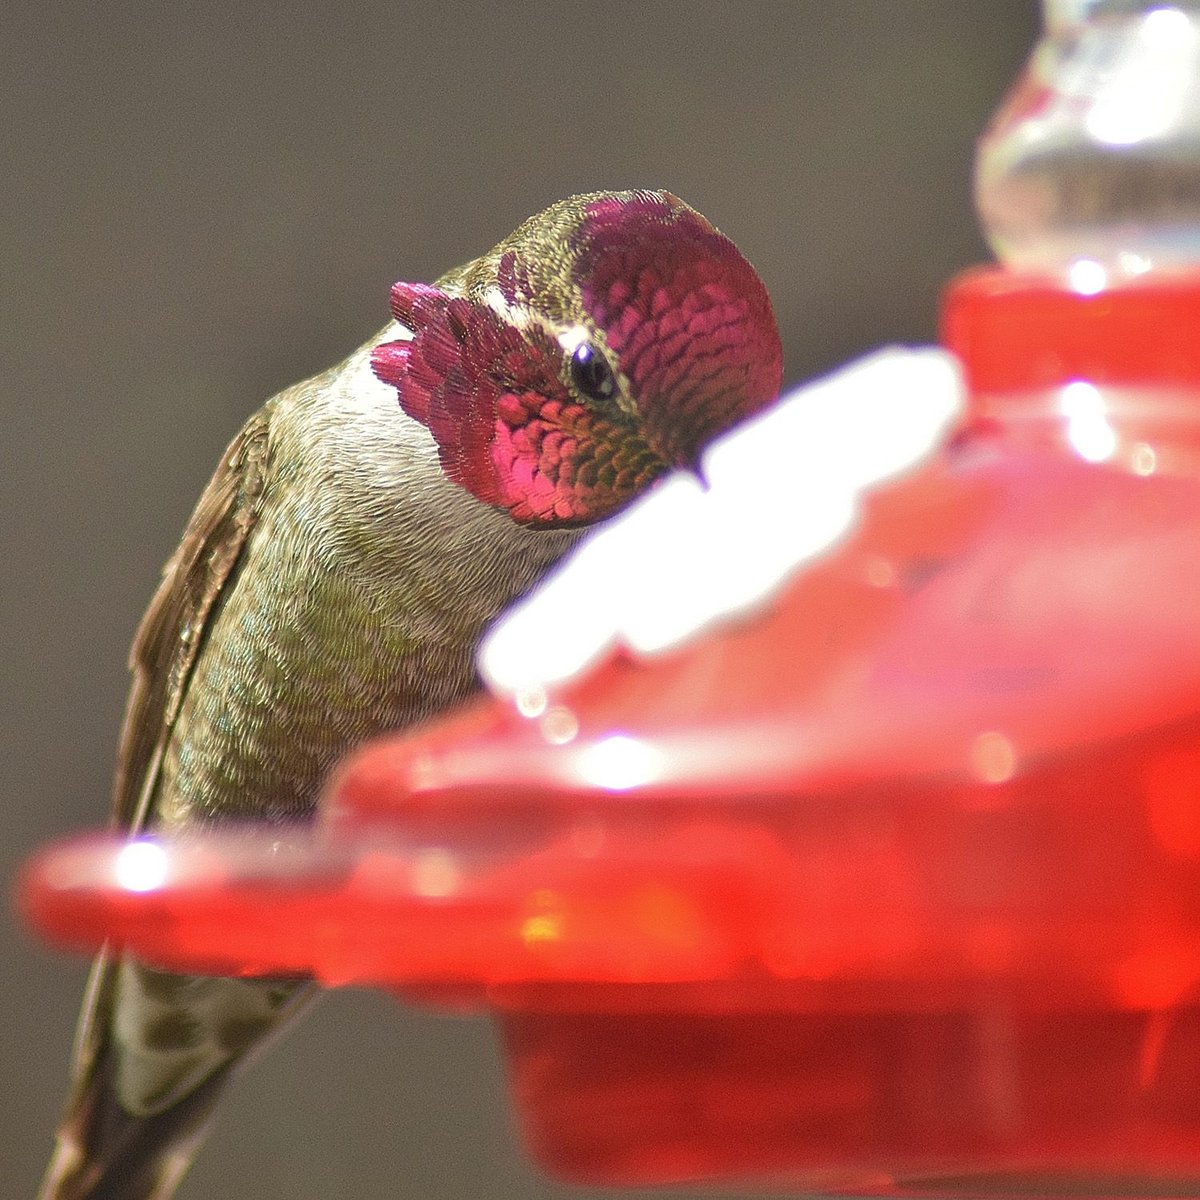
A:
(603, 343)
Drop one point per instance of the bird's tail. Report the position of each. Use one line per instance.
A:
(153, 1053)
(106, 1153)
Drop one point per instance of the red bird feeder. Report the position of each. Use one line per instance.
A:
(891, 886)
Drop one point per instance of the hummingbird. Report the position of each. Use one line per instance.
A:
(358, 535)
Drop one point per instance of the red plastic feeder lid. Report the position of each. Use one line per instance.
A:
(882, 873)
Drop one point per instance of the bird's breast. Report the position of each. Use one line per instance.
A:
(361, 593)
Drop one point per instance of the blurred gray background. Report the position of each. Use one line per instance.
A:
(202, 204)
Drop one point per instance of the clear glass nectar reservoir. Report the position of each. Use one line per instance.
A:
(1091, 167)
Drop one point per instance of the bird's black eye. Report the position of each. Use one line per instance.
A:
(591, 374)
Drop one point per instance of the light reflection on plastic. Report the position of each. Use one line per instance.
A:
(993, 757)
(1088, 429)
(531, 701)
(1149, 83)
(435, 874)
(1087, 277)
(140, 867)
(559, 725)
(1144, 459)
(620, 762)
(541, 929)
(1132, 263)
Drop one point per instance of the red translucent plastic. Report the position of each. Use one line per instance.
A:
(891, 887)
(1017, 333)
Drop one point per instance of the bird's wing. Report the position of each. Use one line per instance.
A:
(163, 655)
(161, 659)
(169, 638)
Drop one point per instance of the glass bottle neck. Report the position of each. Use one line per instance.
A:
(1093, 161)
(1063, 14)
